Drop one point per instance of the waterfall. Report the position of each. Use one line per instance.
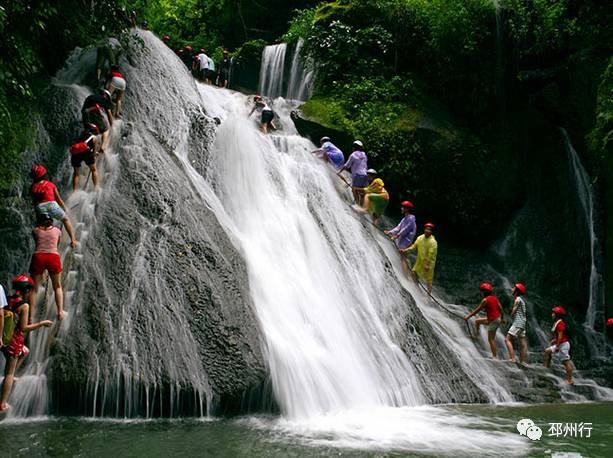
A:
(301, 79)
(272, 70)
(595, 314)
(500, 62)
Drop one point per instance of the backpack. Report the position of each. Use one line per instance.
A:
(80, 147)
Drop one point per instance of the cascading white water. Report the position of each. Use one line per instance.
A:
(302, 76)
(272, 70)
(595, 314)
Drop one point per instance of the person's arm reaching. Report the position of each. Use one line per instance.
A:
(477, 310)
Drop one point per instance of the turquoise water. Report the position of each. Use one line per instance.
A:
(265, 436)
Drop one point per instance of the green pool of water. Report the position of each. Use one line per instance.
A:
(483, 431)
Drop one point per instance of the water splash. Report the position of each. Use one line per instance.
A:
(272, 70)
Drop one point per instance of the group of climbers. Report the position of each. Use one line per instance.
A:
(19, 311)
(559, 345)
(203, 66)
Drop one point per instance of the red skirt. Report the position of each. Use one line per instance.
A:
(16, 347)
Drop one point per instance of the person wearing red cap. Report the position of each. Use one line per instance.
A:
(16, 320)
(47, 199)
(404, 233)
(560, 345)
(493, 311)
(427, 249)
(518, 328)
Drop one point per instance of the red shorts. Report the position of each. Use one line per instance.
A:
(45, 261)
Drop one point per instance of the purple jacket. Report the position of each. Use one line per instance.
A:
(405, 231)
(358, 163)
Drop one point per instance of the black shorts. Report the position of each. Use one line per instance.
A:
(223, 75)
(87, 156)
(202, 73)
(211, 74)
(267, 116)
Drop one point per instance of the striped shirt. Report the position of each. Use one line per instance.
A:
(519, 319)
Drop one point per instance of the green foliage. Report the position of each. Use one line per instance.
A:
(600, 140)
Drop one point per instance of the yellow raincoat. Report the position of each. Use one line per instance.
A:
(426, 254)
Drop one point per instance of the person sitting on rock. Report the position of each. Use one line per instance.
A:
(46, 258)
(84, 149)
(47, 199)
(560, 345)
(92, 113)
(16, 320)
(404, 233)
(493, 318)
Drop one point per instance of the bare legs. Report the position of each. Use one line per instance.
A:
(77, 171)
(56, 282)
(9, 378)
(70, 231)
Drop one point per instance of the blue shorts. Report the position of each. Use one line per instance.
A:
(359, 181)
(52, 209)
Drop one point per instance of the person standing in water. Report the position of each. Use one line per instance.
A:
(15, 350)
(493, 318)
(404, 233)
(47, 200)
(46, 258)
(224, 69)
(518, 328)
(427, 250)
(358, 165)
(116, 84)
(560, 345)
(92, 113)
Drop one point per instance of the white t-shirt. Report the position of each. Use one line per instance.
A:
(3, 302)
(203, 59)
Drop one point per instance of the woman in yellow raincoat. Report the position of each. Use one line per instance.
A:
(376, 197)
(427, 248)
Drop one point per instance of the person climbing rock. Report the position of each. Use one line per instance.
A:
(47, 199)
(133, 17)
(427, 249)
(493, 318)
(329, 152)
(267, 116)
(107, 54)
(224, 69)
(357, 164)
(404, 233)
(46, 258)
(211, 74)
(91, 112)
(84, 149)
(560, 345)
(16, 318)
(116, 85)
(376, 197)
(518, 328)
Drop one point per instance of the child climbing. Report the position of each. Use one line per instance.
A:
(560, 345)
(493, 310)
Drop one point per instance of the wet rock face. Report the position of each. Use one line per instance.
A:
(161, 320)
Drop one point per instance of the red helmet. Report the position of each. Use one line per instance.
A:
(38, 171)
(188, 48)
(166, 38)
(485, 286)
(559, 310)
(429, 225)
(407, 204)
(610, 322)
(257, 97)
(21, 282)
(520, 287)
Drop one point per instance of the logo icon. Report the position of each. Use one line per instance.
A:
(526, 427)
